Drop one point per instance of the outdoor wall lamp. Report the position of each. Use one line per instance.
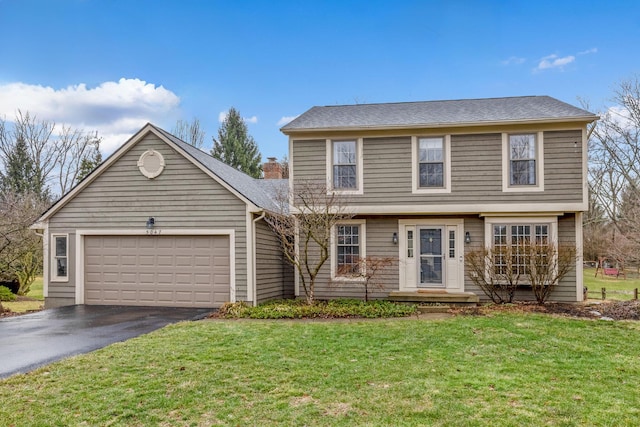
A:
(151, 222)
(394, 238)
(467, 237)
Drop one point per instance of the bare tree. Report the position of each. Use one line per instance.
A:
(20, 248)
(546, 265)
(55, 158)
(190, 132)
(614, 157)
(498, 272)
(304, 229)
(494, 272)
(369, 269)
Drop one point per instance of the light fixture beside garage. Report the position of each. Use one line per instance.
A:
(151, 164)
(151, 222)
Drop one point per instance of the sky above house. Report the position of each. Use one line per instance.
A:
(113, 65)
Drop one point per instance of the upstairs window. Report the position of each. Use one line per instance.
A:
(345, 174)
(522, 158)
(431, 159)
(523, 162)
(431, 164)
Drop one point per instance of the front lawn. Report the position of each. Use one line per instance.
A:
(501, 370)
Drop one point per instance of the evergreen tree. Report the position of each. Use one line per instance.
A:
(20, 176)
(236, 147)
(90, 162)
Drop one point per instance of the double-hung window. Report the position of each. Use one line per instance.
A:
(523, 162)
(522, 159)
(348, 249)
(60, 257)
(344, 165)
(431, 164)
(345, 173)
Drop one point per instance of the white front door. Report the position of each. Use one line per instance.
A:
(431, 254)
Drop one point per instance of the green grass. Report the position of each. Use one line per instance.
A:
(617, 289)
(36, 289)
(24, 306)
(502, 370)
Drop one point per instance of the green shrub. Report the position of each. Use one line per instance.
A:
(6, 294)
(298, 309)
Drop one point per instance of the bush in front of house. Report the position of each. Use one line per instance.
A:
(6, 294)
(300, 309)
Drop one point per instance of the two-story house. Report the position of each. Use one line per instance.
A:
(429, 181)
(162, 223)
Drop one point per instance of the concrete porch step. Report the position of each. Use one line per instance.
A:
(435, 296)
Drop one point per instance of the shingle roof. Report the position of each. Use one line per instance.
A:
(437, 113)
(260, 192)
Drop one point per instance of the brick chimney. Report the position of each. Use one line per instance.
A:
(272, 169)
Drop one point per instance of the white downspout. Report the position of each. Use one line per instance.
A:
(254, 256)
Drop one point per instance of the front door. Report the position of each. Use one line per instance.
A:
(431, 254)
(431, 272)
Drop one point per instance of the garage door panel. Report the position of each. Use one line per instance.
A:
(157, 270)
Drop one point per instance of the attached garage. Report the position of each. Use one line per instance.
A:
(157, 270)
(161, 223)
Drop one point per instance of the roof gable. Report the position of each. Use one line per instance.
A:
(438, 113)
(241, 185)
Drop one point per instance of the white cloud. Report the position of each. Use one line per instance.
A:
(588, 51)
(115, 109)
(222, 116)
(513, 60)
(620, 116)
(285, 120)
(252, 119)
(553, 61)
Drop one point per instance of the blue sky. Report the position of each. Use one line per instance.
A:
(112, 66)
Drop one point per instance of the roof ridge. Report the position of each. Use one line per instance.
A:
(432, 101)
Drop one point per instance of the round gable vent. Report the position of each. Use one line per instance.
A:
(151, 164)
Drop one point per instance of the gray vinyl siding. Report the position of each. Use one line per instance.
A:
(475, 227)
(476, 170)
(309, 158)
(122, 198)
(274, 276)
(566, 290)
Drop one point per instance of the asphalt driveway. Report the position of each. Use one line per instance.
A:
(34, 340)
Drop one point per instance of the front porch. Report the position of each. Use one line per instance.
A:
(435, 296)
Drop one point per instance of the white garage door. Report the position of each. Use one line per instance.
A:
(172, 271)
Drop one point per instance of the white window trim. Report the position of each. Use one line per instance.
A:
(53, 264)
(506, 165)
(363, 249)
(489, 222)
(415, 169)
(359, 167)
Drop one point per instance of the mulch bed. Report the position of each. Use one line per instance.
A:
(610, 310)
